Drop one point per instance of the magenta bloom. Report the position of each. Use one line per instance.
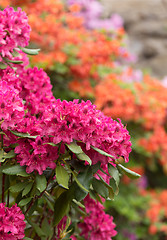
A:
(97, 225)
(14, 30)
(68, 121)
(11, 106)
(11, 222)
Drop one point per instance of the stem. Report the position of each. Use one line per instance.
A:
(8, 199)
(3, 187)
(1, 141)
(30, 205)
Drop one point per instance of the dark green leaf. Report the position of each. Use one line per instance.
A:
(78, 165)
(110, 189)
(85, 178)
(18, 187)
(113, 171)
(100, 188)
(24, 201)
(50, 204)
(95, 167)
(77, 181)
(95, 196)
(128, 172)
(74, 148)
(102, 152)
(61, 207)
(15, 170)
(37, 229)
(41, 182)
(62, 176)
(27, 189)
(47, 228)
(79, 184)
(30, 51)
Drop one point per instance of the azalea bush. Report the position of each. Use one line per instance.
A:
(59, 160)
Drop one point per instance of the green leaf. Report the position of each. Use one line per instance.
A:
(23, 135)
(15, 61)
(77, 181)
(79, 184)
(27, 189)
(61, 207)
(37, 229)
(18, 187)
(30, 51)
(79, 194)
(26, 238)
(47, 228)
(10, 154)
(128, 172)
(84, 157)
(74, 148)
(62, 176)
(102, 152)
(110, 189)
(3, 65)
(15, 170)
(49, 203)
(86, 177)
(78, 203)
(51, 144)
(41, 182)
(95, 167)
(24, 201)
(15, 53)
(113, 171)
(100, 188)
(1, 155)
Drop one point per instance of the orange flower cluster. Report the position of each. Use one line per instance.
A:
(157, 213)
(156, 145)
(143, 102)
(63, 39)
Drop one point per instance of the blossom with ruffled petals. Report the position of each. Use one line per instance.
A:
(12, 223)
(97, 224)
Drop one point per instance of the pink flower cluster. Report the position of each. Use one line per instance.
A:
(14, 30)
(35, 90)
(97, 224)
(67, 121)
(64, 121)
(11, 106)
(12, 223)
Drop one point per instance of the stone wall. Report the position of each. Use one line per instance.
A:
(146, 24)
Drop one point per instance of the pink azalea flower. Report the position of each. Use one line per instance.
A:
(12, 223)
(97, 224)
